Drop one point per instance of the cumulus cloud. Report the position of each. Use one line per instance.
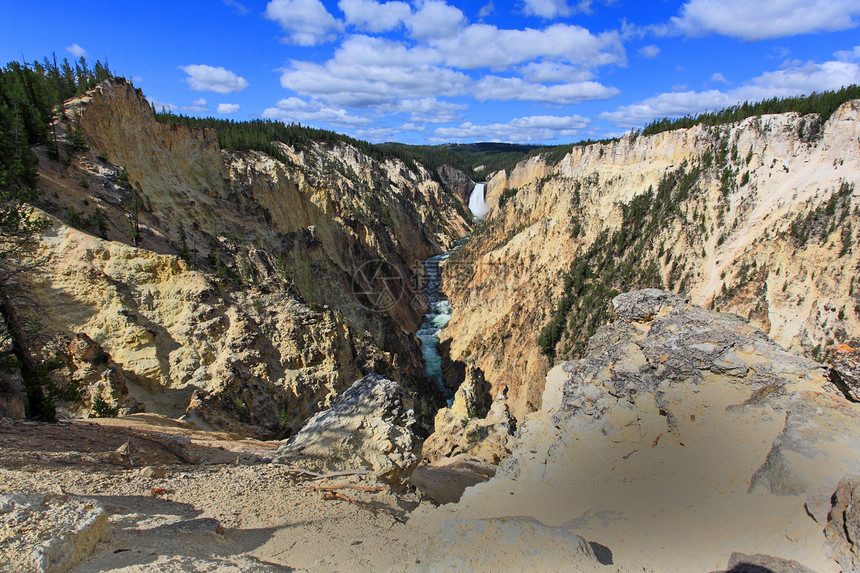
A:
(197, 105)
(532, 128)
(765, 19)
(366, 71)
(486, 10)
(554, 8)
(228, 107)
(436, 19)
(425, 110)
(517, 89)
(374, 16)
(485, 46)
(307, 22)
(849, 55)
(294, 109)
(211, 79)
(555, 72)
(719, 78)
(649, 52)
(76, 50)
(796, 80)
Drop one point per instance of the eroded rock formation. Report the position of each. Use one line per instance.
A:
(368, 427)
(757, 218)
(682, 436)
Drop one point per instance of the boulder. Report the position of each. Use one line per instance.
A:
(645, 304)
(49, 533)
(368, 426)
(506, 544)
(843, 524)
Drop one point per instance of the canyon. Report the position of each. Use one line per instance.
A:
(638, 354)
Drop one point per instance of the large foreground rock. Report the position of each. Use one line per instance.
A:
(682, 436)
(49, 533)
(367, 427)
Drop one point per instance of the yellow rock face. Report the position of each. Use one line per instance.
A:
(801, 292)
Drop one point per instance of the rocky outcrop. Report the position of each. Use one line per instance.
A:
(750, 218)
(368, 426)
(506, 544)
(250, 282)
(456, 181)
(682, 436)
(843, 524)
(101, 382)
(49, 533)
(475, 425)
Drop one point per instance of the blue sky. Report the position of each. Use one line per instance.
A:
(437, 71)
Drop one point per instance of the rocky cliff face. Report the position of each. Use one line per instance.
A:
(261, 286)
(682, 436)
(758, 218)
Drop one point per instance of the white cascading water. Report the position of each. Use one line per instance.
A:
(435, 320)
(477, 204)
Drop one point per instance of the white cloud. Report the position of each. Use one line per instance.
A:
(294, 109)
(374, 16)
(481, 45)
(367, 72)
(486, 10)
(211, 79)
(436, 19)
(764, 19)
(553, 8)
(547, 8)
(307, 22)
(425, 110)
(198, 105)
(517, 89)
(793, 81)
(719, 78)
(237, 6)
(649, 52)
(554, 72)
(378, 134)
(76, 50)
(533, 128)
(228, 107)
(162, 105)
(849, 55)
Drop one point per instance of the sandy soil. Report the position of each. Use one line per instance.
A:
(234, 510)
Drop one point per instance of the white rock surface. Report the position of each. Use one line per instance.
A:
(48, 533)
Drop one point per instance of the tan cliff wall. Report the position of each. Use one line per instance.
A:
(242, 285)
(732, 227)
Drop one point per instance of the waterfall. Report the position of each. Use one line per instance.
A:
(477, 205)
